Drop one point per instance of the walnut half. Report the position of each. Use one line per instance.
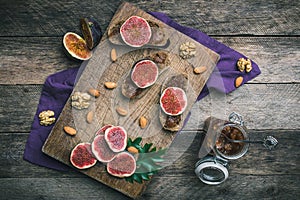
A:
(80, 100)
(187, 50)
(244, 64)
(46, 118)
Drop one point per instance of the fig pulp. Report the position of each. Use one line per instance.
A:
(81, 156)
(76, 46)
(116, 138)
(173, 101)
(123, 165)
(101, 150)
(135, 31)
(144, 73)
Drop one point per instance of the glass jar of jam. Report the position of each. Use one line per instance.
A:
(213, 168)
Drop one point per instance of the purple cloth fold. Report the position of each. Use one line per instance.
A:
(58, 87)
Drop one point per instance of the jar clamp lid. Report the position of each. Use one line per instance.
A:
(212, 170)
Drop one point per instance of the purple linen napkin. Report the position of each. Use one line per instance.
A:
(58, 87)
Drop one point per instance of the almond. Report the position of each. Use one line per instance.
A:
(143, 122)
(238, 81)
(132, 149)
(89, 117)
(113, 55)
(94, 92)
(110, 85)
(121, 111)
(200, 70)
(69, 130)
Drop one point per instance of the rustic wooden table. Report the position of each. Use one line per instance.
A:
(267, 32)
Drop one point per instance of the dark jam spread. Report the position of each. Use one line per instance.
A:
(229, 148)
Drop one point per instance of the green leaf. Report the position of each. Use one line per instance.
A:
(137, 178)
(145, 176)
(137, 140)
(147, 147)
(153, 149)
(129, 179)
(129, 142)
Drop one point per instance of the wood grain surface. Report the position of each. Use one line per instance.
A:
(266, 31)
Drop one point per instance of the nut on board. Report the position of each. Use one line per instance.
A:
(143, 122)
(94, 92)
(110, 85)
(187, 50)
(80, 100)
(121, 111)
(113, 55)
(69, 130)
(89, 117)
(46, 118)
(200, 70)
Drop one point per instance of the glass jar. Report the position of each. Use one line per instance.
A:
(213, 168)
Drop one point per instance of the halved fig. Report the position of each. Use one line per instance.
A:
(82, 157)
(135, 31)
(91, 31)
(76, 46)
(116, 138)
(173, 123)
(102, 130)
(101, 150)
(173, 101)
(144, 73)
(123, 165)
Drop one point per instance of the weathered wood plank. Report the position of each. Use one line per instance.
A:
(263, 106)
(182, 187)
(48, 18)
(273, 106)
(184, 156)
(270, 171)
(30, 60)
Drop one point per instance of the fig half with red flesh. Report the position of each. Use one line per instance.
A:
(123, 165)
(101, 150)
(82, 157)
(144, 73)
(173, 101)
(76, 46)
(135, 31)
(116, 138)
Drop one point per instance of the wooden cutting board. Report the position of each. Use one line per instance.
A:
(100, 69)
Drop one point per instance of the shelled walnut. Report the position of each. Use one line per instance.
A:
(187, 50)
(80, 100)
(244, 64)
(46, 118)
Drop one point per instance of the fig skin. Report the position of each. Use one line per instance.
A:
(91, 31)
